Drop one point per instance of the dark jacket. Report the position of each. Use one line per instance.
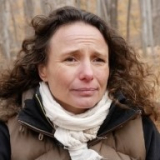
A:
(112, 131)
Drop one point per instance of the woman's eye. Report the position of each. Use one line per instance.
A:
(99, 60)
(70, 59)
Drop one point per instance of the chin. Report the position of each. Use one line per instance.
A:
(86, 106)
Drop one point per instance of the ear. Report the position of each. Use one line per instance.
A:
(42, 71)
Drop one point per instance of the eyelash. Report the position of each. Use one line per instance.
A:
(70, 59)
(99, 60)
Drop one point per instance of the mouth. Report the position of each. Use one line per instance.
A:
(85, 91)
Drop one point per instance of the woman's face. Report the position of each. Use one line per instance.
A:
(77, 69)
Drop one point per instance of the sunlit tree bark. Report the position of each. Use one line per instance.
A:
(147, 30)
(156, 20)
(128, 20)
(5, 39)
(29, 14)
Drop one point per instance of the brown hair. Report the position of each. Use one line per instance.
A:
(127, 74)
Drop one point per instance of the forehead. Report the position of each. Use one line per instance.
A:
(77, 37)
(76, 30)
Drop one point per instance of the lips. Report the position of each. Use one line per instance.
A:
(85, 91)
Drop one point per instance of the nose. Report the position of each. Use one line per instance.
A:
(86, 72)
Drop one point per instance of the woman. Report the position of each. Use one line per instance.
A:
(77, 91)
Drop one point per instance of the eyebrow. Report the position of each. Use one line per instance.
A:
(77, 52)
(70, 52)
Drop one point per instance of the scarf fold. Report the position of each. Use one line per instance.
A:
(74, 131)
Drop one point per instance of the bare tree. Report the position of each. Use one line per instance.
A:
(48, 5)
(70, 3)
(128, 19)
(108, 10)
(88, 5)
(99, 8)
(114, 13)
(144, 26)
(105, 10)
(78, 3)
(5, 40)
(156, 20)
(28, 13)
(15, 38)
(150, 26)
(147, 30)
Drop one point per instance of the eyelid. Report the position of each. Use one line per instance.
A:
(69, 58)
(100, 59)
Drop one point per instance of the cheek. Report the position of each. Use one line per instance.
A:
(60, 78)
(103, 76)
(104, 81)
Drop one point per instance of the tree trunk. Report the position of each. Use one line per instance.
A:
(29, 14)
(128, 19)
(104, 14)
(156, 20)
(150, 27)
(15, 38)
(99, 13)
(144, 26)
(109, 11)
(5, 43)
(48, 6)
(147, 30)
(114, 14)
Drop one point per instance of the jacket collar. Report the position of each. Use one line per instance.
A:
(118, 116)
(33, 116)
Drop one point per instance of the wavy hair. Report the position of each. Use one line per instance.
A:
(127, 74)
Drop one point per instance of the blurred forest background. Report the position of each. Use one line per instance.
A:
(138, 21)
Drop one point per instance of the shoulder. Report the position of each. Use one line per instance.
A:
(148, 124)
(5, 151)
(152, 139)
(149, 128)
(3, 129)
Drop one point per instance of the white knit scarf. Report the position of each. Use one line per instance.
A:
(75, 130)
